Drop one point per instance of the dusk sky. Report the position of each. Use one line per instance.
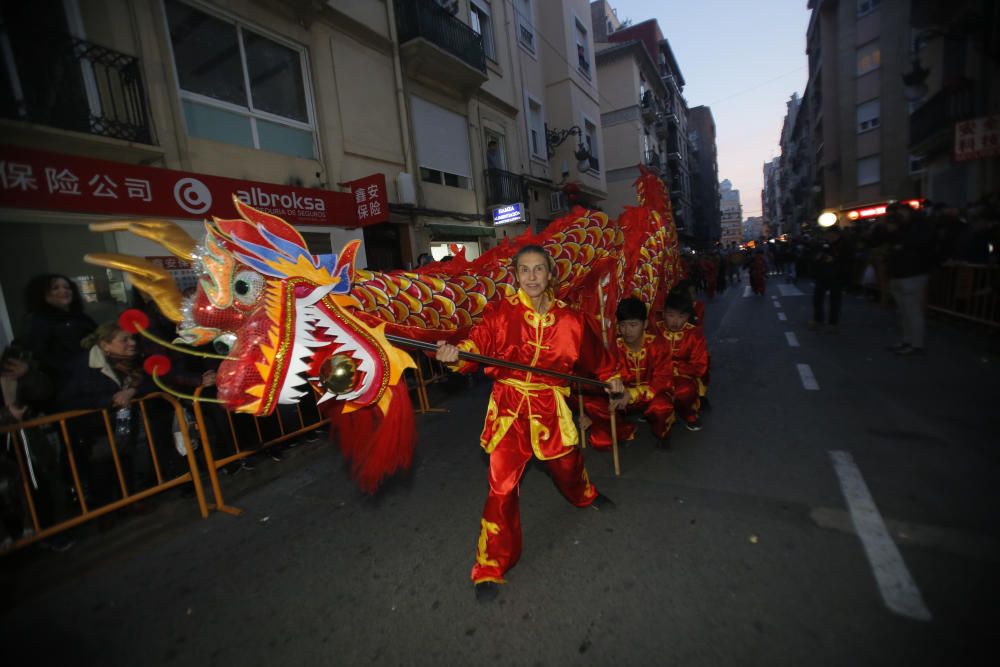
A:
(742, 59)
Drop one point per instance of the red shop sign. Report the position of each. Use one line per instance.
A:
(36, 179)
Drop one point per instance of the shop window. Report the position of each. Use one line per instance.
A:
(238, 86)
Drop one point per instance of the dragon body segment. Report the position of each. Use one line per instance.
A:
(282, 315)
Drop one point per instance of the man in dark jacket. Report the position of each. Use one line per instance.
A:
(831, 260)
(911, 258)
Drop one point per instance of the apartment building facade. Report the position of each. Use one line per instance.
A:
(445, 111)
(953, 84)
(706, 230)
(731, 224)
(671, 108)
(165, 108)
(635, 130)
(857, 53)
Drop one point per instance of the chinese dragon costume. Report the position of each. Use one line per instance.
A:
(281, 315)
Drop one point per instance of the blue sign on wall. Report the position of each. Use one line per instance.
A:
(508, 214)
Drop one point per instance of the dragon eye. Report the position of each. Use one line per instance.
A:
(247, 286)
(224, 343)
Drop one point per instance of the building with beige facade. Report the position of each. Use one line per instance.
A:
(857, 54)
(162, 108)
(634, 132)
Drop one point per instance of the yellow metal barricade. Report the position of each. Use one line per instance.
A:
(261, 439)
(968, 291)
(428, 370)
(25, 437)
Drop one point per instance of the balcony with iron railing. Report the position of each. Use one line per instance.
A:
(60, 81)
(651, 158)
(437, 47)
(648, 106)
(504, 187)
(932, 126)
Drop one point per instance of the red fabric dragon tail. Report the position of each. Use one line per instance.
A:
(377, 445)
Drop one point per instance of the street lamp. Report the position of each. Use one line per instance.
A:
(555, 137)
(827, 219)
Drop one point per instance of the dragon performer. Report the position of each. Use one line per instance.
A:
(289, 322)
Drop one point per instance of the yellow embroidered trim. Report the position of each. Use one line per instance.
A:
(467, 345)
(488, 528)
(537, 430)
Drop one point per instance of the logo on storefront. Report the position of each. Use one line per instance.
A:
(192, 195)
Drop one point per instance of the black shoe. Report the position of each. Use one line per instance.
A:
(487, 591)
(59, 543)
(693, 425)
(663, 444)
(274, 453)
(603, 503)
(910, 351)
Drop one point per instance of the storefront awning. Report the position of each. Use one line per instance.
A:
(458, 232)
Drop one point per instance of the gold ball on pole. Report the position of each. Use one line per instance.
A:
(337, 373)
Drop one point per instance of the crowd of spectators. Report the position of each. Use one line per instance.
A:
(61, 360)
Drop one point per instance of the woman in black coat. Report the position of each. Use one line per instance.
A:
(108, 374)
(49, 340)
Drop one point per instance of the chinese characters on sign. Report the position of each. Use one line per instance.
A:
(180, 270)
(34, 179)
(371, 202)
(977, 138)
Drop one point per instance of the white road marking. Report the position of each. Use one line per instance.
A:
(807, 377)
(747, 291)
(782, 316)
(777, 304)
(792, 340)
(789, 290)
(899, 591)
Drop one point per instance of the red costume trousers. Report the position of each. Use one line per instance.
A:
(499, 544)
(659, 412)
(686, 398)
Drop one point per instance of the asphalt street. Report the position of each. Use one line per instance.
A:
(839, 508)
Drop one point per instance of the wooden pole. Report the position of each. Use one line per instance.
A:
(614, 443)
(493, 361)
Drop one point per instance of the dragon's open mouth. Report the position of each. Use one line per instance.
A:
(280, 349)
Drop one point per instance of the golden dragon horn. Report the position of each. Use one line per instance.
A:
(146, 276)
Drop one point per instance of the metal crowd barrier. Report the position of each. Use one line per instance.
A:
(23, 446)
(263, 439)
(967, 291)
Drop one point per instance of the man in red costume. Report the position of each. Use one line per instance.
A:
(687, 351)
(527, 415)
(643, 362)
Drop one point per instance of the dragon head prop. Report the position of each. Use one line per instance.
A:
(278, 313)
